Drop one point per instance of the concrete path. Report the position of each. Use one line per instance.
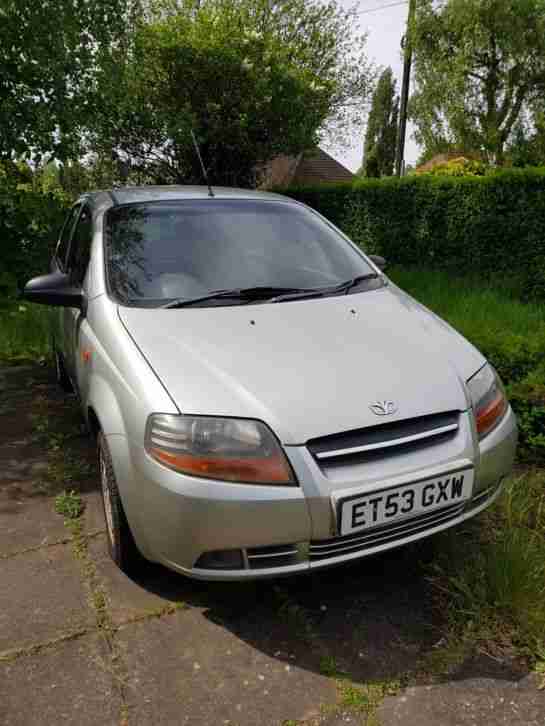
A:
(80, 643)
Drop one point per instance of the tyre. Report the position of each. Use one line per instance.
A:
(60, 373)
(121, 544)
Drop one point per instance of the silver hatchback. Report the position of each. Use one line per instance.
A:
(265, 400)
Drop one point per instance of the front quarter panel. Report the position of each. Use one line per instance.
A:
(462, 354)
(121, 390)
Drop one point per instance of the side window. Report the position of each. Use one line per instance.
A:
(81, 247)
(64, 239)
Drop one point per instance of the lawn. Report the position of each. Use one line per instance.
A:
(470, 306)
(24, 332)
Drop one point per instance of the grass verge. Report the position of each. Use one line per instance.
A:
(24, 332)
(473, 308)
(489, 575)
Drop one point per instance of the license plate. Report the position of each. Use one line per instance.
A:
(365, 511)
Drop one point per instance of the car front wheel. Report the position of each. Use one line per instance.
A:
(121, 545)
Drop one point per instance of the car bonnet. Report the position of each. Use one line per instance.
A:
(307, 368)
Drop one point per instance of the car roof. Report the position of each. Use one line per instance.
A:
(133, 195)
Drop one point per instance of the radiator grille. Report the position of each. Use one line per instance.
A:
(373, 440)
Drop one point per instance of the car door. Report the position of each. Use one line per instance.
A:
(59, 263)
(78, 262)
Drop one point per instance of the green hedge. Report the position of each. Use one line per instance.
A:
(527, 398)
(492, 225)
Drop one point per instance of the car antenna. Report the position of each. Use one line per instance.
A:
(195, 144)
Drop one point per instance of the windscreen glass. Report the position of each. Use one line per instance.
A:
(165, 251)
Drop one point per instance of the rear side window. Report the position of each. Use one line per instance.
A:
(66, 233)
(81, 247)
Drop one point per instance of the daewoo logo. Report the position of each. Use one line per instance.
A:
(383, 408)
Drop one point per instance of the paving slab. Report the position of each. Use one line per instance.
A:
(373, 617)
(41, 597)
(27, 516)
(93, 518)
(28, 522)
(185, 669)
(127, 598)
(480, 692)
(68, 684)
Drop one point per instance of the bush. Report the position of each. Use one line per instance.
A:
(527, 397)
(458, 167)
(492, 225)
(30, 218)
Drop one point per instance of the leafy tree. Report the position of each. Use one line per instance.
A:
(478, 64)
(32, 206)
(252, 79)
(50, 54)
(527, 145)
(380, 137)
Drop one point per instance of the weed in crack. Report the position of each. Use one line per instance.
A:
(14, 654)
(69, 504)
(329, 667)
(99, 603)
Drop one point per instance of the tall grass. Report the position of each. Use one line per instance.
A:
(470, 304)
(490, 574)
(24, 332)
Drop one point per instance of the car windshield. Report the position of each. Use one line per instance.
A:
(183, 250)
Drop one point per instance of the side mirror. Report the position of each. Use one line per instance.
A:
(53, 289)
(379, 261)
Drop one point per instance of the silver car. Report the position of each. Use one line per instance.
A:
(265, 400)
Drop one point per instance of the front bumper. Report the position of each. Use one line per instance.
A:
(176, 519)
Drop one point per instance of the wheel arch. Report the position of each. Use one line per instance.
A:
(103, 412)
(103, 415)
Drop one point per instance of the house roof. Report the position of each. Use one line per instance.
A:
(317, 166)
(311, 167)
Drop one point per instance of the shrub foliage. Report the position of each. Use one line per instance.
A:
(492, 225)
(31, 213)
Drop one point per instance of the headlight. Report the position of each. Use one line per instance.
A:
(488, 398)
(238, 450)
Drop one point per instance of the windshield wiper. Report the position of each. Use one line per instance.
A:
(324, 291)
(243, 293)
(269, 293)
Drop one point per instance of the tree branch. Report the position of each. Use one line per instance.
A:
(513, 76)
(520, 97)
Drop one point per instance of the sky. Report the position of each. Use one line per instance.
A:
(385, 28)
